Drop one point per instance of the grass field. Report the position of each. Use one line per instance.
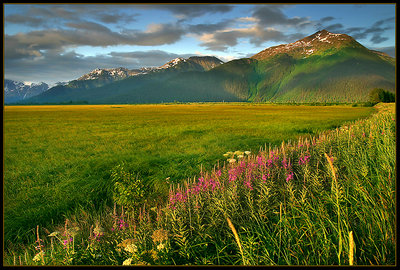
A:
(59, 158)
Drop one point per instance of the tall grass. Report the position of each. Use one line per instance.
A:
(325, 200)
(59, 158)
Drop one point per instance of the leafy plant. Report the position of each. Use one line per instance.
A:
(128, 190)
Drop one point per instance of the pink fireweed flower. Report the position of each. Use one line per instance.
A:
(248, 184)
(67, 241)
(261, 161)
(232, 175)
(218, 173)
(304, 160)
(264, 178)
(289, 177)
(269, 162)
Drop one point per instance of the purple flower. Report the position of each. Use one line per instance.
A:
(260, 161)
(248, 184)
(289, 177)
(232, 175)
(264, 178)
(269, 162)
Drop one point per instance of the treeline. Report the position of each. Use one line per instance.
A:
(380, 95)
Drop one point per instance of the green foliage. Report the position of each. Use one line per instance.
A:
(346, 186)
(380, 95)
(128, 189)
(343, 74)
(58, 158)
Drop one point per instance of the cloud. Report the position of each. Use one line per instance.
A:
(327, 19)
(139, 59)
(270, 15)
(209, 28)
(391, 50)
(33, 43)
(374, 33)
(185, 12)
(224, 39)
(48, 66)
(53, 15)
(257, 29)
(23, 19)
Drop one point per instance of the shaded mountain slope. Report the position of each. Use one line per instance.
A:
(323, 67)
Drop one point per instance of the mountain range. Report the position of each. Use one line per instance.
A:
(15, 91)
(323, 67)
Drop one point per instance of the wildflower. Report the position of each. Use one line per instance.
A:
(67, 241)
(240, 156)
(159, 235)
(289, 177)
(132, 248)
(247, 152)
(264, 177)
(160, 246)
(226, 155)
(218, 173)
(285, 165)
(232, 175)
(54, 233)
(238, 153)
(127, 262)
(269, 162)
(38, 256)
(98, 230)
(122, 225)
(260, 160)
(248, 185)
(231, 160)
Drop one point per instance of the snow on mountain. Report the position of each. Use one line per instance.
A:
(15, 91)
(108, 73)
(112, 74)
(172, 63)
(318, 42)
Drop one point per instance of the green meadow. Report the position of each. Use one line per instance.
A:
(60, 158)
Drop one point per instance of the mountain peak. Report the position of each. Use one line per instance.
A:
(106, 73)
(313, 44)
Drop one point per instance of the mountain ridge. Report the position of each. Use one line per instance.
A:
(15, 91)
(321, 67)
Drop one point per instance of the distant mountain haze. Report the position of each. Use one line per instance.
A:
(17, 91)
(323, 67)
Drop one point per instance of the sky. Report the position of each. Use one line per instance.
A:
(58, 43)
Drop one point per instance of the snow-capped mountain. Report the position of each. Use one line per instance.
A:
(15, 91)
(198, 63)
(311, 45)
(109, 74)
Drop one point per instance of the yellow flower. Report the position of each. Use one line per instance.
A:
(132, 248)
(247, 152)
(126, 242)
(160, 235)
(231, 160)
(240, 156)
(38, 256)
(54, 233)
(160, 246)
(127, 261)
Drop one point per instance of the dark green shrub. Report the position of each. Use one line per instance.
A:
(380, 95)
(128, 190)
